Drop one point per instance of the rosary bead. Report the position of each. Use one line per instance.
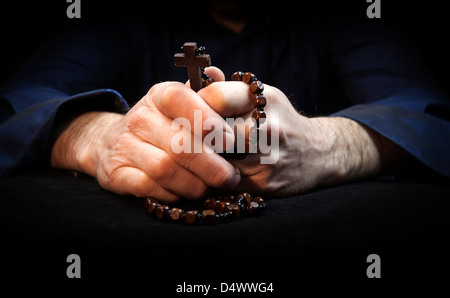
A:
(234, 209)
(152, 207)
(200, 51)
(261, 202)
(253, 208)
(208, 217)
(259, 101)
(162, 211)
(221, 206)
(237, 76)
(147, 202)
(210, 203)
(229, 199)
(248, 77)
(208, 82)
(247, 197)
(259, 116)
(240, 200)
(176, 214)
(191, 216)
(256, 87)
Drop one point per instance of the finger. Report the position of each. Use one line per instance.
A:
(175, 100)
(158, 131)
(228, 99)
(215, 73)
(133, 181)
(159, 166)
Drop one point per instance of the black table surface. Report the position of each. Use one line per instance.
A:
(50, 213)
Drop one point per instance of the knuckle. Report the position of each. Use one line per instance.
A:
(112, 179)
(170, 95)
(198, 192)
(149, 188)
(163, 169)
(153, 189)
(137, 119)
(220, 178)
(213, 96)
(187, 159)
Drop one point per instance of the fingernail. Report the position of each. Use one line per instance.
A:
(236, 178)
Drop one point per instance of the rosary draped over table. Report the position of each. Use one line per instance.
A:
(226, 207)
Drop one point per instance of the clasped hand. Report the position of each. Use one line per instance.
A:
(133, 154)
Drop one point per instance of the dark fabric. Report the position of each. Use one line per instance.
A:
(323, 64)
(327, 233)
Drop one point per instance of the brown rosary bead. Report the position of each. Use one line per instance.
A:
(162, 211)
(247, 197)
(191, 217)
(260, 201)
(210, 203)
(151, 208)
(226, 207)
(253, 208)
(150, 204)
(221, 207)
(240, 200)
(256, 87)
(259, 101)
(234, 209)
(237, 76)
(248, 77)
(176, 214)
(208, 217)
(229, 199)
(259, 116)
(148, 201)
(208, 82)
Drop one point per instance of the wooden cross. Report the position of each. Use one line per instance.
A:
(194, 62)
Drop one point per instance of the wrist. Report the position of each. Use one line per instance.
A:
(81, 145)
(348, 150)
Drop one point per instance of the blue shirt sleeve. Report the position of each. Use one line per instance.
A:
(392, 92)
(25, 136)
(78, 67)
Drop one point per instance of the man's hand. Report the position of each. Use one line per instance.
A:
(313, 152)
(131, 154)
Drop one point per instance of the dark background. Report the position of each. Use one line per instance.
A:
(25, 24)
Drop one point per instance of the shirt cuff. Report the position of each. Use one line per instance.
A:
(25, 136)
(424, 136)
